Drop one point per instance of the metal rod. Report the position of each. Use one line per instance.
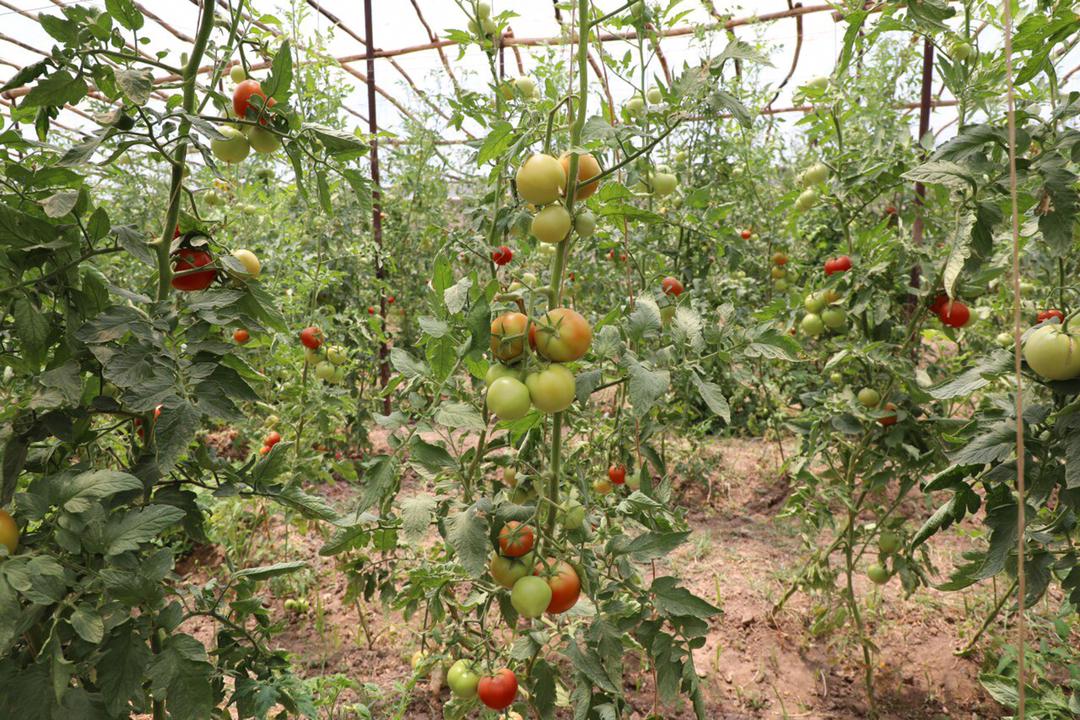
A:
(376, 202)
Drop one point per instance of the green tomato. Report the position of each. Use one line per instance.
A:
(1003, 340)
(634, 105)
(819, 83)
(654, 96)
(815, 174)
(526, 86)
(498, 370)
(237, 73)
(463, 679)
(888, 542)
(585, 223)
(962, 50)
(633, 481)
(1053, 354)
(836, 378)
(552, 224)
(324, 371)
(483, 10)
(834, 318)
(531, 596)
(508, 398)
(869, 398)
(807, 199)
(573, 517)
(551, 389)
(781, 285)
(667, 313)
(877, 573)
(814, 302)
(311, 356)
(234, 148)
(540, 179)
(664, 184)
(336, 355)
(812, 325)
(507, 571)
(263, 141)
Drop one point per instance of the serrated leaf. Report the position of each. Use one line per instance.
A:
(77, 494)
(130, 530)
(416, 514)
(265, 572)
(713, 397)
(467, 535)
(460, 416)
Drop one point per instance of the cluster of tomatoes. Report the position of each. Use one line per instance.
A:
(816, 174)
(822, 312)
(952, 313)
(778, 270)
(193, 266)
(272, 438)
(235, 143)
(328, 361)
(870, 399)
(889, 544)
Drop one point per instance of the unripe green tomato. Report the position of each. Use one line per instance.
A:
(666, 313)
(237, 73)
(834, 318)
(311, 356)
(1003, 340)
(508, 398)
(530, 596)
(836, 378)
(664, 184)
(526, 86)
(462, 679)
(509, 477)
(869, 397)
(633, 481)
(574, 516)
(888, 542)
(814, 302)
(815, 174)
(271, 421)
(498, 370)
(336, 355)
(818, 83)
(634, 105)
(585, 223)
(540, 179)
(877, 573)
(262, 140)
(529, 279)
(807, 199)
(654, 96)
(552, 224)
(483, 10)
(489, 26)
(962, 50)
(781, 285)
(324, 371)
(812, 325)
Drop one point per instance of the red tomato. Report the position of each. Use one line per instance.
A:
(955, 314)
(561, 335)
(611, 255)
(564, 582)
(370, 309)
(390, 300)
(499, 690)
(264, 449)
(176, 232)
(1052, 313)
(617, 474)
(189, 259)
(779, 258)
(242, 99)
(241, 336)
(311, 337)
(888, 419)
(622, 257)
(939, 302)
(671, 286)
(890, 210)
(272, 439)
(515, 539)
(745, 234)
(502, 255)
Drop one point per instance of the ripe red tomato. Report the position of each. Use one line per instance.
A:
(1051, 313)
(499, 690)
(272, 439)
(617, 474)
(390, 300)
(176, 232)
(515, 539)
(888, 419)
(564, 582)
(189, 259)
(671, 286)
(242, 99)
(838, 264)
(370, 309)
(779, 258)
(955, 314)
(502, 255)
(746, 234)
(264, 449)
(939, 302)
(241, 336)
(890, 210)
(611, 255)
(311, 337)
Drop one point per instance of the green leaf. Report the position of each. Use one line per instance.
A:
(467, 534)
(120, 671)
(32, 330)
(27, 73)
(723, 101)
(404, 363)
(181, 675)
(125, 13)
(459, 416)
(139, 526)
(265, 572)
(278, 83)
(651, 546)
(974, 378)
(416, 514)
(674, 600)
(713, 397)
(173, 432)
(380, 478)
(943, 172)
(432, 457)
(56, 90)
(497, 142)
(137, 84)
(646, 386)
(88, 624)
(991, 446)
(311, 506)
(78, 494)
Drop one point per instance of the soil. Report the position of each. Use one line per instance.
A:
(755, 664)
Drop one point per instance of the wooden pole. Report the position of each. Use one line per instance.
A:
(376, 203)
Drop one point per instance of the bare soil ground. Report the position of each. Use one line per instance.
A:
(741, 557)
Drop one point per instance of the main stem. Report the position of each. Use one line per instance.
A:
(179, 159)
(559, 263)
